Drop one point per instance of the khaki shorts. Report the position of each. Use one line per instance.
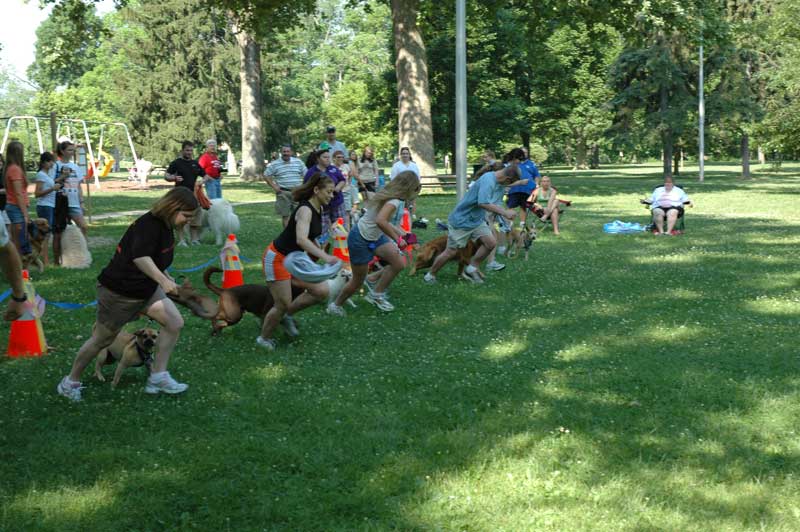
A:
(284, 205)
(115, 310)
(459, 238)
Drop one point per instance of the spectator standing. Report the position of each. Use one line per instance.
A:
(17, 191)
(212, 166)
(46, 188)
(283, 175)
(405, 164)
(184, 172)
(5, 221)
(320, 162)
(368, 172)
(73, 178)
(333, 145)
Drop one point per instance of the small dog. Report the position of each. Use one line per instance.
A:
(38, 231)
(430, 250)
(221, 220)
(74, 250)
(521, 239)
(255, 298)
(128, 349)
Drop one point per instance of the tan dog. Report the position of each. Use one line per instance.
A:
(430, 250)
(128, 349)
(38, 233)
(520, 240)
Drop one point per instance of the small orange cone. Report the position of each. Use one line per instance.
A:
(232, 272)
(340, 249)
(27, 335)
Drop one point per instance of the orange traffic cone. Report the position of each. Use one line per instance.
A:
(405, 225)
(229, 249)
(340, 249)
(232, 272)
(27, 335)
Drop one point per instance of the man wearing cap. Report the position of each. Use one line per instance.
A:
(210, 163)
(333, 145)
(283, 175)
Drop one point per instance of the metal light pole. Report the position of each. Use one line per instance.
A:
(702, 113)
(461, 98)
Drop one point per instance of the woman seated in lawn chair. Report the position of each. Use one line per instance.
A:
(667, 201)
(546, 205)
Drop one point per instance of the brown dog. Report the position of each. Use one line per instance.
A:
(38, 231)
(430, 250)
(200, 305)
(520, 240)
(128, 349)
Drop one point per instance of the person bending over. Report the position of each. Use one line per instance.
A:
(468, 221)
(304, 227)
(136, 281)
(373, 235)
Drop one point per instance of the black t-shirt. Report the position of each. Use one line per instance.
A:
(188, 169)
(287, 240)
(150, 237)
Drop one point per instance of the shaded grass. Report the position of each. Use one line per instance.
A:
(613, 382)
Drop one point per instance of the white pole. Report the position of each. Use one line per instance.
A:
(461, 98)
(702, 113)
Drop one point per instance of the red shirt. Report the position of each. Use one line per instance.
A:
(210, 163)
(15, 173)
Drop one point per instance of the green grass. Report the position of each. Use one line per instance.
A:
(613, 382)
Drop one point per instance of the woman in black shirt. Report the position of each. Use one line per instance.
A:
(134, 282)
(304, 227)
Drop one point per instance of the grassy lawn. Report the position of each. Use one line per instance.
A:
(612, 382)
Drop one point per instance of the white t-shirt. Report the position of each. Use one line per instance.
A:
(400, 167)
(48, 200)
(366, 224)
(72, 184)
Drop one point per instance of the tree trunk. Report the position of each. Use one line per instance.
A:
(666, 132)
(594, 162)
(745, 156)
(762, 156)
(250, 85)
(676, 163)
(580, 155)
(415, 127)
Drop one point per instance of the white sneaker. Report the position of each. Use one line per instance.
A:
(69, 389)
(380, 301)
(165, 384)
(183, 243)
(495, 266)
(289, 325)
(501, 250)
(267, 343)
(195, 242)
(429, 278)
(471, 274)
(370, 285)
(335, 310)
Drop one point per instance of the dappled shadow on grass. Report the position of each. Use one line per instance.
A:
(618, 379)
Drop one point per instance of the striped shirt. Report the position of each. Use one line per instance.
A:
(286, 175)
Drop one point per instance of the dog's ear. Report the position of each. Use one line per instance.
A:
(140, 333)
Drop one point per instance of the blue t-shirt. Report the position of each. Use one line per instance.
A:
(527, 170)
(468, 214)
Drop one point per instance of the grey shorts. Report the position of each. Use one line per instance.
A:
(284, 204)
(115, 310)
(459, 238)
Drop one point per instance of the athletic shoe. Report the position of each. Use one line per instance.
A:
(70, 390)
(195, 242)
(501, 250)
(267, 343)
(495, 266)
(165, 384)
(472, 276)
(380, 301)
(440, 225)
(335, 310)
(289, 325)
(429, 278)
(183, 243)
(370, 286)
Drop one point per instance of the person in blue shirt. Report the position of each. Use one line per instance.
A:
(468, 221)
(518, 194)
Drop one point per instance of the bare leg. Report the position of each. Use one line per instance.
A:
(390, 254)
(282, 295)
(672, 217)
(658, 216)
(167, 315)
(315, 293)
(488, 244)
(80, 221)
(355, 282)
(554, 218)
(101, 338)
(442, 259)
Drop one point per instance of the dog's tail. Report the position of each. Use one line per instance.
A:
(207, 279)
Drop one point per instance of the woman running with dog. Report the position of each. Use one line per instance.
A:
(304, 227)
(373, 235)
(135, 282)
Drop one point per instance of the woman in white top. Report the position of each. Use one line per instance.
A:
(374, 235)
(406, 163)
(45, 193)
(73, 173)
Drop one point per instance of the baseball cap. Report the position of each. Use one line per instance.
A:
(330, 129)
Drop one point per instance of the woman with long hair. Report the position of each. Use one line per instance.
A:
(373, 235)
(304, 227)
(320, 162)
(136, 282)
(545, 202)
(73, 178)
(17, 192)
(367, 172)
(46, 188)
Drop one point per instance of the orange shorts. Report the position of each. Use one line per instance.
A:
(272, 261)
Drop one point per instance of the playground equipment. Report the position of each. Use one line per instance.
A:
(35, 119)
(109, 160)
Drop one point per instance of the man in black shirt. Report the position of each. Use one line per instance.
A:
(184, 172)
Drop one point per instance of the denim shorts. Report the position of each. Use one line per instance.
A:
(46, 212)
(15, 214)
(75, 212)
(362, 251)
